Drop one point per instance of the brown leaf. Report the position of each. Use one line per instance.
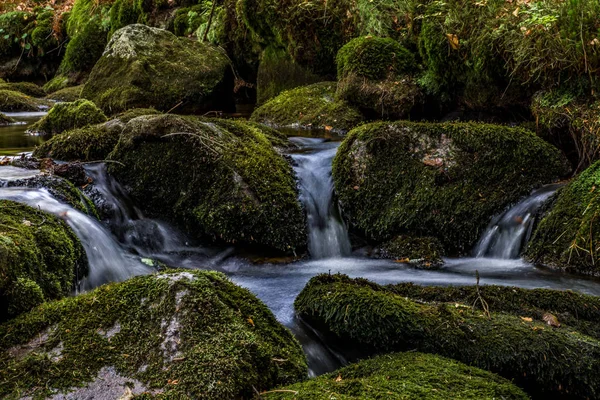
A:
(527, 319)
(551, 320)
(339, 378)
(453, 40)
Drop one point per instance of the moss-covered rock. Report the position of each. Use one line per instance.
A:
(543, 360)
(4, 120)
(150, 67)
(277, 72)
(16, 101)
(567, 236)
(28, 88)
(177, 334)
(40, 258)
(218, 178)
(309, 107)
(90, 143)
(439, 180)
(68, 94)
(128, 115)
(423, 252)
(57, 83)
(65, 116)
(577, 311)
(403, 376)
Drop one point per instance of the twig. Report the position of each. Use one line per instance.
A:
(484, 304)
(210, 17)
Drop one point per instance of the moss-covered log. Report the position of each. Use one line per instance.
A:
(403, 376)
(440, 180)
(541, 359)
(568, 235)
(178, 334)
(150, 67)
(218, 178)
(309, 107)
(40, 258)
(65, 116)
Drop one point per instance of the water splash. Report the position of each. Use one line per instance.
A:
(327, 234)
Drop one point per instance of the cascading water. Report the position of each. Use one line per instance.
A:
(509, 232)
(327, 234)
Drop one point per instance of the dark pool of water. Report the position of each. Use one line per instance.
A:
(14, 140)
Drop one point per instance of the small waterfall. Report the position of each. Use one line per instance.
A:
(327, 234)
(107, 261)
(509, 232)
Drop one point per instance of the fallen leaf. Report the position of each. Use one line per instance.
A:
(527, 319)
(551, 320)
(339, 378)
(250, 321)
(453, 40)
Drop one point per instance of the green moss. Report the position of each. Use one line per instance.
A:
(545, 361)
(4, 120)
(424, 252)
(178, 334)
(68, 94)
(16, 101)
(403, 376)
(57, 83)
(27, 88)
(567, 236)
(40, 258)
(277, 72)
(149, 67)
(312, 106)
(90, 143)
(218, 178)
(65, 116)
(128, 115)
(577, 311)
(439, 180)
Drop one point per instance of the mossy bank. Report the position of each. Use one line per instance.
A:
(440, 180)
(172, 335)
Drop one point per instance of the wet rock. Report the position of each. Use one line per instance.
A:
(4, 120)
(73, 172)
(422, 252)
(176, 334)
(149, 67)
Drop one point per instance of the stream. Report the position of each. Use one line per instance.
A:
(127, 243)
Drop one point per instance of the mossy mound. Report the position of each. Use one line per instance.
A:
(424, 252)
(90, 143)
(567, 236)
(578, 311)
(218, 178)
(128, 115)
(57, 83)
(40, 258)
(403, 376)
(16, 101)
(178, 334)
(65, 116)
(28, 88)
(313, 106)
(440, 180)
(68, 94)
(545, 361)
(150, 67)
(4, 120)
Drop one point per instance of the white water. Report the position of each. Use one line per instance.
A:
(508, 233)
(327, 233)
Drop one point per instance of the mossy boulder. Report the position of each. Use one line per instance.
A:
(65, 116)
(423, 252)
(218, 178)
(4, 120)
(440, 180)
(566, 308)
(309, 107)
(128, 115)
(543, 360)
(40, 258)
(376, 75)
(68, 94)
(90, 143)
(177, 334)
(28, 88)
(567, 236)
(57, 83)
(150, 67)
(17, 101)
(403, 376)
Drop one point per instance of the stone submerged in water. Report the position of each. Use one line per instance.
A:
(150, 67)
(403, 376)
(219, 179)
(41, 258)
(545, 361)
(440, 180)
(177, 334)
